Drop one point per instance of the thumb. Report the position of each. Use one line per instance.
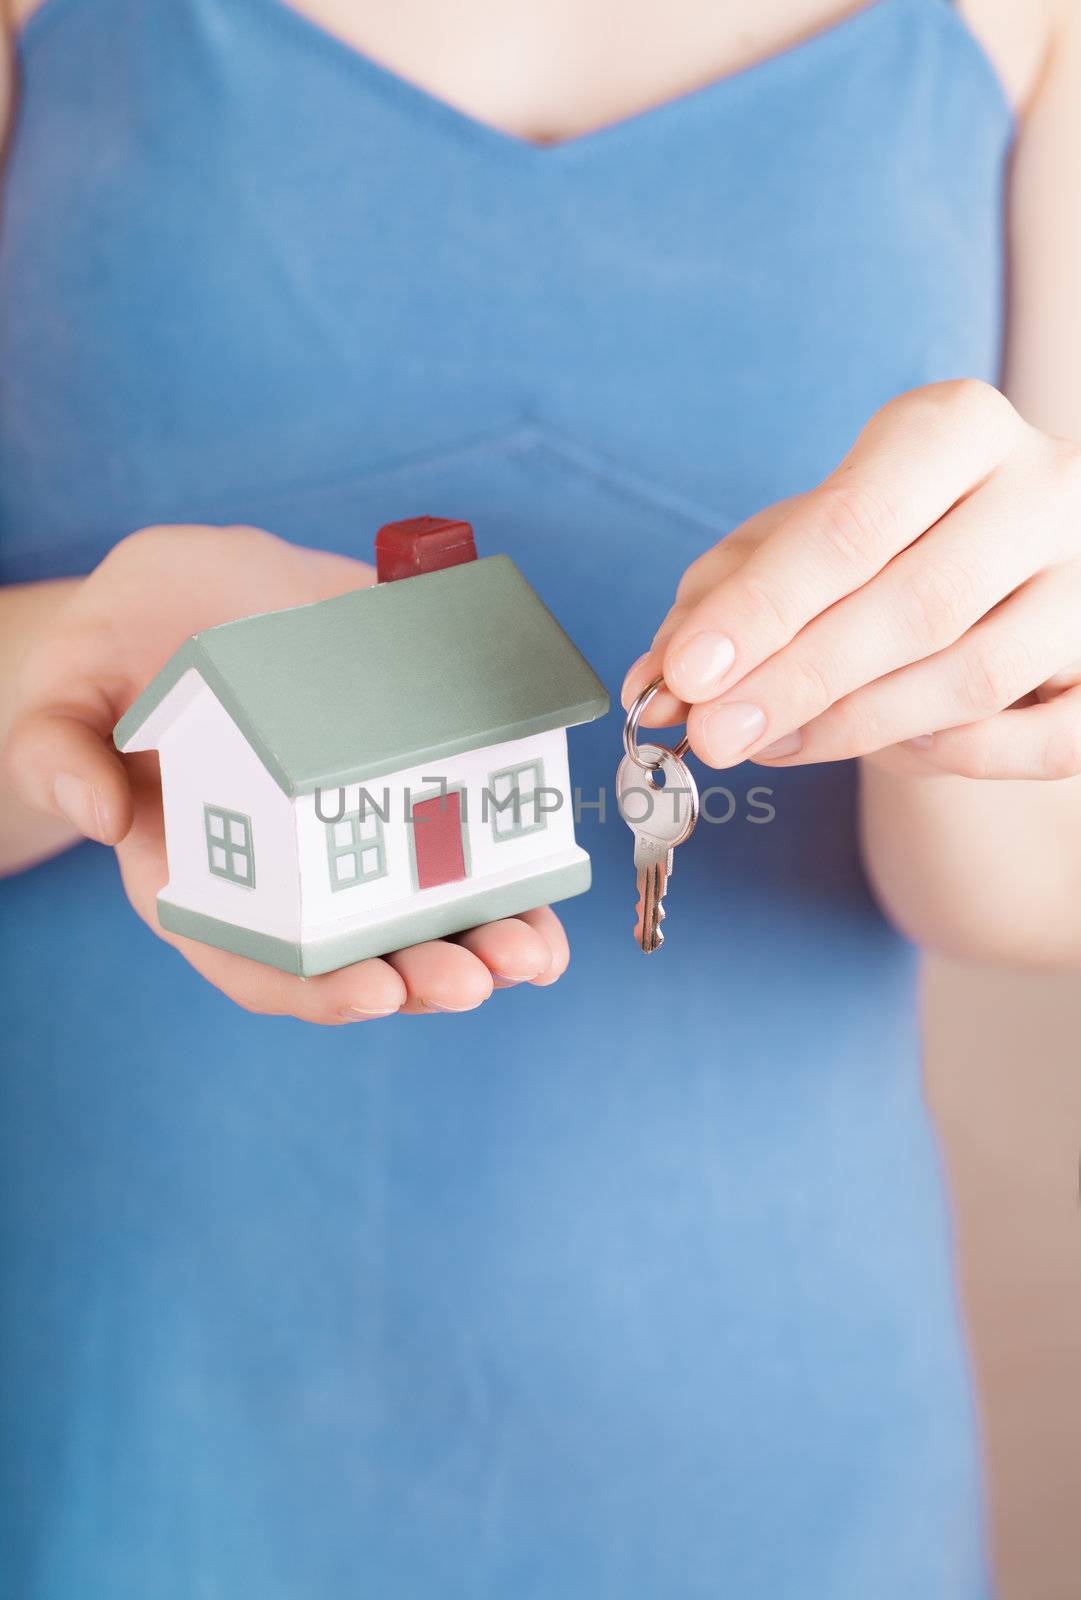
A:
(59, 759)
(700, 578)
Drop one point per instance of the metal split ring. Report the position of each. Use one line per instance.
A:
(630, 730)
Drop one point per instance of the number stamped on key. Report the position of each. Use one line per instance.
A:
(661, 815)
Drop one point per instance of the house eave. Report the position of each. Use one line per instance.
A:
(406, 759)
(190, 656)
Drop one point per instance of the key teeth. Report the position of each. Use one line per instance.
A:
(657, 938)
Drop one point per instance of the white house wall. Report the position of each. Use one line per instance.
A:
(488, 860)
(205, 760)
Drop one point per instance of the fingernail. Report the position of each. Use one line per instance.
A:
(359, 1014)
(517, 977)
(728, 731)
(922, 741)
(430, 1005)
(625, 693)
(786, 746)
(699, 667)
(81, 805)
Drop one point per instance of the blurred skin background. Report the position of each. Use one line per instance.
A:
(1004, 1079)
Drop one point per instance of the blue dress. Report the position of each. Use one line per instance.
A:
(639, 1288)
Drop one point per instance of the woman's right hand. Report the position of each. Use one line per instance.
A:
(98, 651)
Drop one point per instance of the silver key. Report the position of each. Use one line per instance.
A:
(660, 818)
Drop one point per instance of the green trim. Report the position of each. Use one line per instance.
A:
(357, 847)
(437, 922)
(417, 795)
(228, 845)
(414, 926)
(518, 828)
(223, 935)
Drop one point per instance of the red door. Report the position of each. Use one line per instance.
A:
(437, 837)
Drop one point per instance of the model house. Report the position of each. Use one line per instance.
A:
(347, 778)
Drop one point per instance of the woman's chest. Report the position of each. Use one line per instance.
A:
(200, 294)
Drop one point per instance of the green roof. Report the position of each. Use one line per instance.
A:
(389, 677)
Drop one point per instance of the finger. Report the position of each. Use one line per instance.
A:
(1009, 654)
(895, 483)
(700, 577)
(359, 993)
(665, 710)
(58, 756)
(512, 951)
(928, 597)
(329, 574)
(440, 976)
(207, 566)
(60, 760)
(548, 925)
(1039, 741)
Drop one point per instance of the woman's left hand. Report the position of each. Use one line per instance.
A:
(921, 606)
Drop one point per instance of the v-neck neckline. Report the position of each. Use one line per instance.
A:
(316, 35)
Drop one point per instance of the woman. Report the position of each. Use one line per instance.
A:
(640, 1286)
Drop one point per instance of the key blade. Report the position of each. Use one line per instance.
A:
(661, 815)
(649, 912)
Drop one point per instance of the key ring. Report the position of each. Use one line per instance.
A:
(630, 730)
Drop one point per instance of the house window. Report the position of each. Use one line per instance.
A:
(229, 845)
(513, 800)
(356, 849)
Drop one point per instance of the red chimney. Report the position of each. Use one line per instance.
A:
(421, 544)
